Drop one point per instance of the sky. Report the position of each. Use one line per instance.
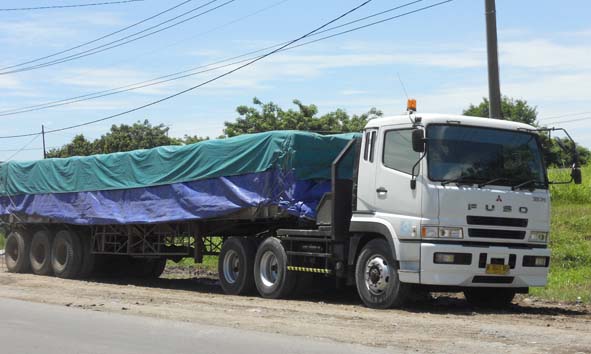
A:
(439, 54)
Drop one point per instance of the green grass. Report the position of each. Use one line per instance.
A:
(1, 241)
(210, 263)
(570, 240)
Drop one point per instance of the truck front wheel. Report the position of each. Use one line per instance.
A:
(236, 266)
(272, 279)
(66, 255)
(18, 244)
(376, 276)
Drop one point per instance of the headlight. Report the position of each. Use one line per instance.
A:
(451, 232)
(442, 232)
(538, 236)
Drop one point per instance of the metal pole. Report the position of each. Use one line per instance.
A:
(494, 86)
(43, 135)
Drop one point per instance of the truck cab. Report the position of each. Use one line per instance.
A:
(462, 204)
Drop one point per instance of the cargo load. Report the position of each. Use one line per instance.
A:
(287, 169)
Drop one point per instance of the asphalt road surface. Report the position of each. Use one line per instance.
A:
(27, 327)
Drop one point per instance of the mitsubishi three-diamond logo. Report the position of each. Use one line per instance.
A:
(499, 199)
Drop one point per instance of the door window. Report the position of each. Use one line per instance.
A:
(398, 152)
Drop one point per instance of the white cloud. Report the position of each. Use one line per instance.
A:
(543, 54)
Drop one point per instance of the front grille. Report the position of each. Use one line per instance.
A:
(493, 221)
(502, 234)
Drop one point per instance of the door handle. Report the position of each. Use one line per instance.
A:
(381, 190)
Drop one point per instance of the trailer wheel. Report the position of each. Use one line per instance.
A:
(40, 253)
(236, 266)
(18, 244)
(376, 276)
(158, 266)
(489, 297)
(272, 279)
(66, 255)
(89, 259)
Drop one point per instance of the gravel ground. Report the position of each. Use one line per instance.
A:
(441, 323)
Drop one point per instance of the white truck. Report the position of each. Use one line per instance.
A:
(434, 203)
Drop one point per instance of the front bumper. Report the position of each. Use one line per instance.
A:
(474, 275)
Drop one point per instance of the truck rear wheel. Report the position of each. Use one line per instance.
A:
(272, 279)
(376, 276)
(66, 255)
(17, 248)
(89, 260)
(236, 266)
(489, 297)
(40, 253)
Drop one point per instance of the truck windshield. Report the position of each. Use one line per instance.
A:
(466, 154)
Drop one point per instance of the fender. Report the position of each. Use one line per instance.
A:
(371, 224)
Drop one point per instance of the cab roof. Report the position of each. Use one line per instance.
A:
(430, 118)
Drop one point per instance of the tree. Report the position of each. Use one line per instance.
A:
(269, 116)
(140, 135)
(516, 110)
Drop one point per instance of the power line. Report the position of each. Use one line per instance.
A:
(35, 137)
(70, 6)
(124, 40)
(191, 72)
(99, 38)
(565, 115)
(238, 68)
(567, 121)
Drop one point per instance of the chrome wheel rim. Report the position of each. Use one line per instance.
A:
(269, 269)
(231, 266)
(378, 274)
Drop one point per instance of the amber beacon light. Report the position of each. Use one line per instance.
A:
(411, 105)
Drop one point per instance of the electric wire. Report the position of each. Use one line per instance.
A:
(191, 71)
(124, 40)
(70, 6)
(235, 69)
(99, 38)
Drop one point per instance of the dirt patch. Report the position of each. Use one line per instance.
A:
(439, 324)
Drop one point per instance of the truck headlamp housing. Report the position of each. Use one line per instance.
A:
(538, 236)
(442, 232)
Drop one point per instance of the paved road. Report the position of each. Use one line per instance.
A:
(49, 329)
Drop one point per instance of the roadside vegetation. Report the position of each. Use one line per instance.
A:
(570, 240)
(1, 241)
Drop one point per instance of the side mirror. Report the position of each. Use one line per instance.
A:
(576, 175)
(418, 140)
(561, 145)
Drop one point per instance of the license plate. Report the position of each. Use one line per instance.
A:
(498, 269)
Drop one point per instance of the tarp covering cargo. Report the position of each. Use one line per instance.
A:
(289, 169)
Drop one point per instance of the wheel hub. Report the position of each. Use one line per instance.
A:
(231, 266)
(269, 269)
(377, 275)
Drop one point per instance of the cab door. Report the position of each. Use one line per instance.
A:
(395, 201)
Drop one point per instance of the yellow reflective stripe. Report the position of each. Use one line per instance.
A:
(309, 270)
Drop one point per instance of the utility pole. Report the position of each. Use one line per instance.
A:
(43, 135)
(494, 86)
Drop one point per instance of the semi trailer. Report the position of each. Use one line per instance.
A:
(413, 203)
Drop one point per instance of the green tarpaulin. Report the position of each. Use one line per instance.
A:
(308, 155)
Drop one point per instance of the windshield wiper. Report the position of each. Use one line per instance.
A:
(459, 180)
(480, 185)
(523, 184)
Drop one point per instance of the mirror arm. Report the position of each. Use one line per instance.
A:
(413, 178)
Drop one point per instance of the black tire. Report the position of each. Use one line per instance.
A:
(376, 276)
(89, 259)
(17, 248)
(489, 297)
(236, 266)
(272, 279)
(66, 255)
(157, 268)
(40, 253)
